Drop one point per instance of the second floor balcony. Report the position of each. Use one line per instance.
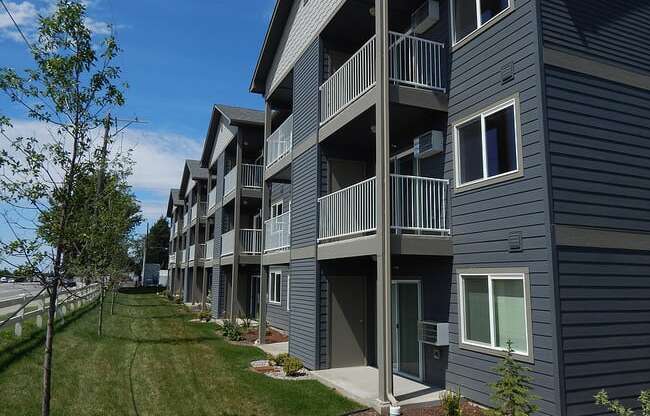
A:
(199, 211)
(279, 143)
(418, 205)
(277, 233)
(412, 61)
(250, 242)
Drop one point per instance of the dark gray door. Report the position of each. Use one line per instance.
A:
(347, 321)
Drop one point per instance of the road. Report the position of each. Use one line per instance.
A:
(14, 290)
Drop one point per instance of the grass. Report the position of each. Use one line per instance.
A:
(150, 361)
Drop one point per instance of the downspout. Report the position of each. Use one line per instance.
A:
(382, 141)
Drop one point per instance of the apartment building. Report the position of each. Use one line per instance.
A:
(442, 177)
(215, 217)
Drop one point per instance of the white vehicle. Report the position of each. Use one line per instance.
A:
(4, 280)
(11, 280)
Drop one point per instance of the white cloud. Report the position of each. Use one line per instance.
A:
(24, 13)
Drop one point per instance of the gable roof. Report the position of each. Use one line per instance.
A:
(174, 200)
(236, 116)
(192, 170)
(272, 39)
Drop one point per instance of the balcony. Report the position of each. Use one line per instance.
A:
(250, 241)
(418, 205)
(412, 62)
(186, 220)
(277, 233)
(199, 211)
(209, 250)
(212, 198)
(192, 253)
(172, 259)
(228, 243)
(183, 256)
(279, 143)
(251, 175)
(230, 182)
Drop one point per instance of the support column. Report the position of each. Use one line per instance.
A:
(382, 142)
(206, 237)
(235, 306)
(268, 111)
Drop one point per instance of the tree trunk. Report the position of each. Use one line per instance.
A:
(47, 361)
(100, 321)
(113, 301)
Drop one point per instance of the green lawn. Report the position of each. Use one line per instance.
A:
(150, 361)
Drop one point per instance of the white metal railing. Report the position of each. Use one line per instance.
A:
(172, 258)
(251, 175)
(186, 220)
(412, 61)
(184, 256)
(194, 210)
(228, 243)
(192, 253)
(212, 198)
(230, 181)
(418, 203)
(349, 82)
(200, 251)
(415, 61)
(38, 307)
(251, 241)
(203, 209)
(209, 250)
(277, 233)
(348, 212)
(279, 143)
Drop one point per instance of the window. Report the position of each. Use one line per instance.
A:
(487, 145)
(275, 284)
(471, 15)
(494, 310)
(277, 209)
(288, 292)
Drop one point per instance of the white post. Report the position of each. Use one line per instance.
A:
(18, 329)
(41, 311)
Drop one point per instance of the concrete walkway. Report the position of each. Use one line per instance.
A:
(276, 348)
(360, 384)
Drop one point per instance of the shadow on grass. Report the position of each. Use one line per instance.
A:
(21, 347)
(139, 290)
(163, 341)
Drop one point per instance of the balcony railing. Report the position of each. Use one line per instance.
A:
(230, 182)
(279, 143)
(172, 258)
(192, 253)
(212, 198)
(251, 241)
(228, 243)
(277, 233)
(184, 256)
(186, 220)
(209, 250)
(418, 204)
(412, 61)
(251, 175)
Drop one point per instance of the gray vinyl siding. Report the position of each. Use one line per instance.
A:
(306, 80)
(599, 134)
(304, 326)
(277, 315)
(323, 335)
(281, 192)
(605, 321)
(304, 213)
(483, 218)
(614, 32)
(218, 292)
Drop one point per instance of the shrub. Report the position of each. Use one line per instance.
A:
(205, 316)
(292, 366)
(614, 406)
(178, 301)
(231, 330)
(451, 403)
(511, 393)
(280, 359)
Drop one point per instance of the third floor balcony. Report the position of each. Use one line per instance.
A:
(279, 143)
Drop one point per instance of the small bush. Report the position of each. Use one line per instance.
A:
(231, 330)
(292, 366)
(280, 359)
(204, 316)
(451, 403)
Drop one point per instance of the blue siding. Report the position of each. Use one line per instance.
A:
(483, 218)
(614, 32)
(306, 80)
(605, 315)
(304, 312)
(277, 315)
(599, 134)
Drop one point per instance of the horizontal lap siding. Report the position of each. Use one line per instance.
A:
(599, 135)
(277, 315)
(611, 31)
(483, 218)
(605, 316)
(304, 312)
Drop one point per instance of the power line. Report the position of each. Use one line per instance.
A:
(16, 24)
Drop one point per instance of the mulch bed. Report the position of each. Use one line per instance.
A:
(468, 410)
(272, 336)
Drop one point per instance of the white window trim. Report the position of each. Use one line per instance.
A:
(274, 208)
(271, 288)
(503, 274)
(480, 27)
(486, 180)
(288, 292)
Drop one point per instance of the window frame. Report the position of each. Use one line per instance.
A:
(480, 27)
(502, 177)
(495, 274)
(274, 274)
(274, 208)
(288, 292)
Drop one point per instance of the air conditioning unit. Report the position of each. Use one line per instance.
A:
(428, 144)
(425, 17)
(433, 333)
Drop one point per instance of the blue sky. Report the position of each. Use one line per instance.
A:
(179, 58)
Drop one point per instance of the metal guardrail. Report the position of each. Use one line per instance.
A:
(279, 143)
(277, 233)
(251, 241)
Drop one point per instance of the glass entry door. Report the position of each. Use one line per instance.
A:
(405, 313)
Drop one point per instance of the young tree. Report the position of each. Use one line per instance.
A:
(73, 82)
(511, 393)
